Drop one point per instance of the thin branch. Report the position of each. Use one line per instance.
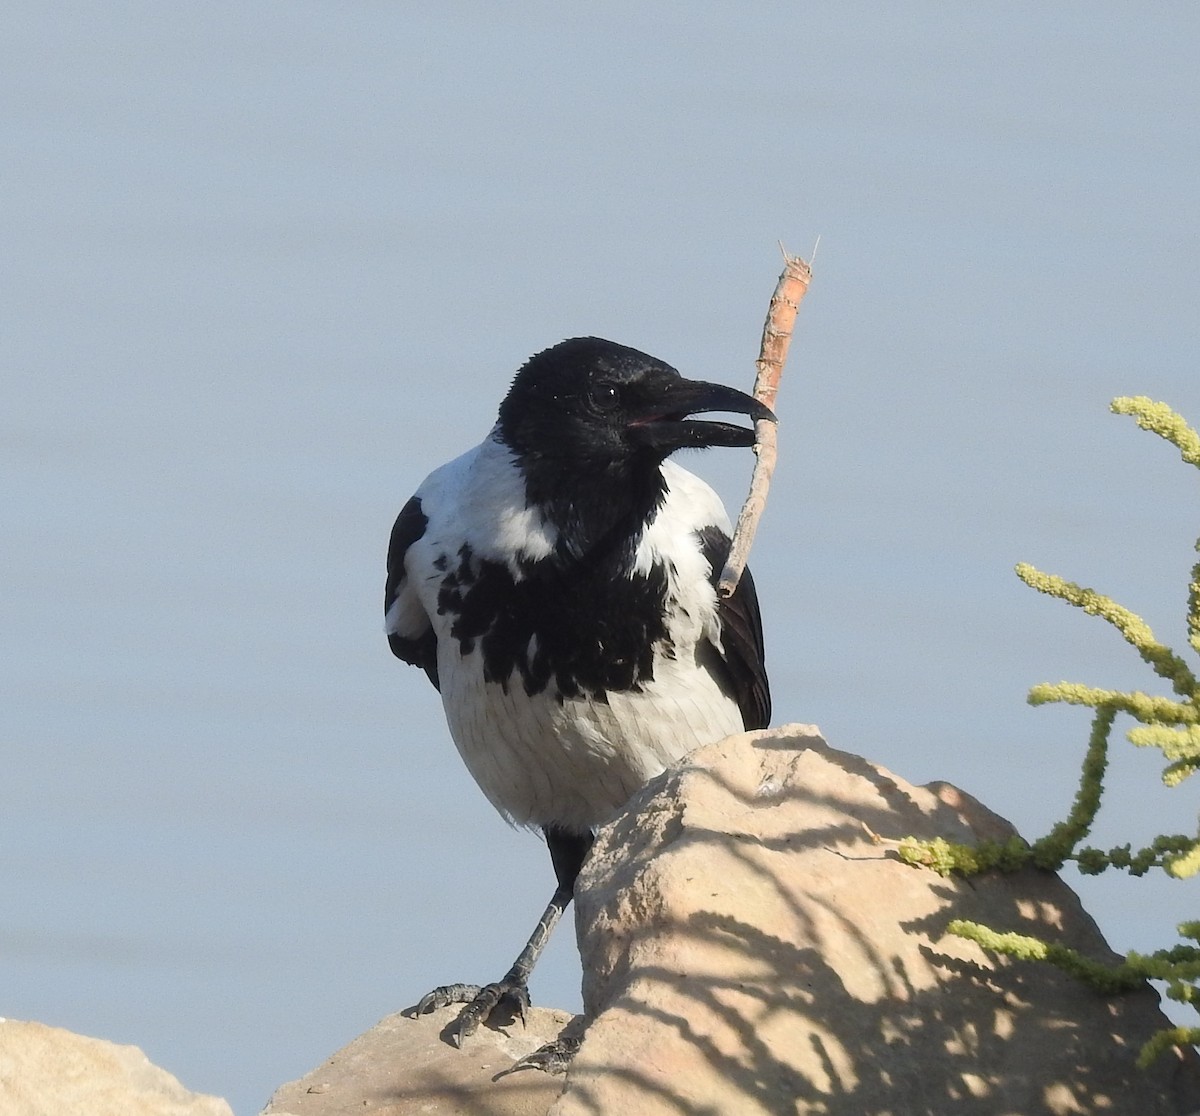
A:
(776, 337)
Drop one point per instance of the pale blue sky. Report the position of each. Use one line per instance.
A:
(266, 264)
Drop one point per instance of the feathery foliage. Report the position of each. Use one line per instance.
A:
(1171, 724)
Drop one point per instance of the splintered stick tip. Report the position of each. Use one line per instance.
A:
(776, 337)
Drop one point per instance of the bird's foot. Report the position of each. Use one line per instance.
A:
(481, 1004)
(553, 1058)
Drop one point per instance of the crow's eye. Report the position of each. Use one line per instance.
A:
(605, 397)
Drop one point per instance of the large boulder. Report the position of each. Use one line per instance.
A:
(752, 946)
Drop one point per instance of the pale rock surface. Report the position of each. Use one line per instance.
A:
(45, 1071)
(750, 947)
(406, 1065)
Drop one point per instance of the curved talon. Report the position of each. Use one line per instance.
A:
(519, 997)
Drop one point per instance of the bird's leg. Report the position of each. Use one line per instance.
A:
(567, 851)
(510, 988)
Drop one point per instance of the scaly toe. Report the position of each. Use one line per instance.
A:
(445, 995)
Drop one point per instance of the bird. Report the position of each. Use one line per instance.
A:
(557, 584)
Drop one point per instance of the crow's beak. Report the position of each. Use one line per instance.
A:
(665, 424)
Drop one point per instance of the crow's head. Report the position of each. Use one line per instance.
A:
(590, 423)
(590, 404)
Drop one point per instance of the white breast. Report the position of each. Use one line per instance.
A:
(574, 763)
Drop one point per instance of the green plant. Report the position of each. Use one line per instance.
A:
(1171, 724)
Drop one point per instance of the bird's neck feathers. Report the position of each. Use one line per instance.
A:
(599, 512)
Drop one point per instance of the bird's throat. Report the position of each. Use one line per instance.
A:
(600, 517)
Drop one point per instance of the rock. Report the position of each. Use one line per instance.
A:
(405, 1065)
(45, 1071)
(750, 948)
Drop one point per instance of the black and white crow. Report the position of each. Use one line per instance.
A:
(557, 584)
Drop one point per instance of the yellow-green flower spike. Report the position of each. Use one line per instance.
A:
(1184, 866)
(1145, 707)
(1136, 631)
(1160, 419)
(1164, 1040)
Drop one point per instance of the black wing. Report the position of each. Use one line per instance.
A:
(418, 648)
(741, 635)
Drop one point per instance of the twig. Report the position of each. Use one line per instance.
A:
(776, 337)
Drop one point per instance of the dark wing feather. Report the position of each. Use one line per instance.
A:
(419, 649)
(741, 635)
